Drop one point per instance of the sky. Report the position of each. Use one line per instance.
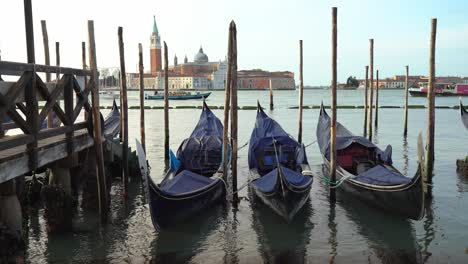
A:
(268, 33)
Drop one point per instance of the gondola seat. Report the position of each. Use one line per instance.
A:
(383, 176)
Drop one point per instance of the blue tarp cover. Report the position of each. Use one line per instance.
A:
(267, 182)
(202, 151)
(262, 150)
(379, 175)
(185, 181)
(344, 138)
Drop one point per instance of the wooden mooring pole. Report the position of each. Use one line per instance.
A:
(271, 95)
(371, 96)
(124, 109)
(301, 93)
(57, 59)
(97, 133)
(30, 95)
(227, 100)
(166, 103)
(45, 39)
(431, 109)
(333, 105)
(376, 123)
(405, 129)
(366, 99)
(83, 65)
(142, 96)
(232, 67)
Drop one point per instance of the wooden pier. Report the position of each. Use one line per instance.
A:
(50, 144)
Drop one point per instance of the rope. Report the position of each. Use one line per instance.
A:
(315, 141)
(243, 146)
(335, 184)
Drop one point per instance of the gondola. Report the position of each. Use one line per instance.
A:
(366, 171)
(464, 115)
(277, 166)
(110, 126)
(193, 183)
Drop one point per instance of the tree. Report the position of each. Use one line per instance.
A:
(352, 82)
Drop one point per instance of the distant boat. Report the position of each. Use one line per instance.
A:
(108, 95)
(460, 89)
(179, 95)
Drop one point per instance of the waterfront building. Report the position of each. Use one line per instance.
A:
(203, 74)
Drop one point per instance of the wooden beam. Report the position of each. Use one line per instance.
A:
(8, 100)
(42, 88)
(301, 93)
(376, 121)
(431, 109)
(142, 97)
(371, 96)
(101, 176)
(57, 59)
(28, 22)
(232, 67)
(405, 129)
(166, 104)
(366, 100)
(333, 105)
(124, 109)
(17, 69)
(45, 39)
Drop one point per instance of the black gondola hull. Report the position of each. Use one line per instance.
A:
(405, 200)
(167, 210)
(284, 200)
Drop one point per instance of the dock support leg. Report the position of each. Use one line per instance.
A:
(10, 208)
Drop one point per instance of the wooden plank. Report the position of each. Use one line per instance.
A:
(8, 96)
(15, 141)
(17, 69)
(46, 94)
(19, 121)
(51, 101)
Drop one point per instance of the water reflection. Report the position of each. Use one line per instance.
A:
(183, 241)
(429, 230)
(280, 242)
(332, 225)
(230, 235)
(391, 238)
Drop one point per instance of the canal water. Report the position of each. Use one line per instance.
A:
(348, 232)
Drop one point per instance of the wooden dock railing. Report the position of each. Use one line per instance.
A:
(19, 101)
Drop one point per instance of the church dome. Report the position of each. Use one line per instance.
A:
(200, 57)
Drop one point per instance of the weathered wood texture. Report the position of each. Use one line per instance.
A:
(366, 100)
(142, 97)
(376, 120)
(272, 104)
(232, 67)
(227, 102)
(405, 129)
(431, 108)
(124, 109)
(166, 103)
(333, 104)
(301, 93)
(371, 92)
(101, 176)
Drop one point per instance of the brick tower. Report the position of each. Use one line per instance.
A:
(155, 50)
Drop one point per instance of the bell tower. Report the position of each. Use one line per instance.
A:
(155, 50)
